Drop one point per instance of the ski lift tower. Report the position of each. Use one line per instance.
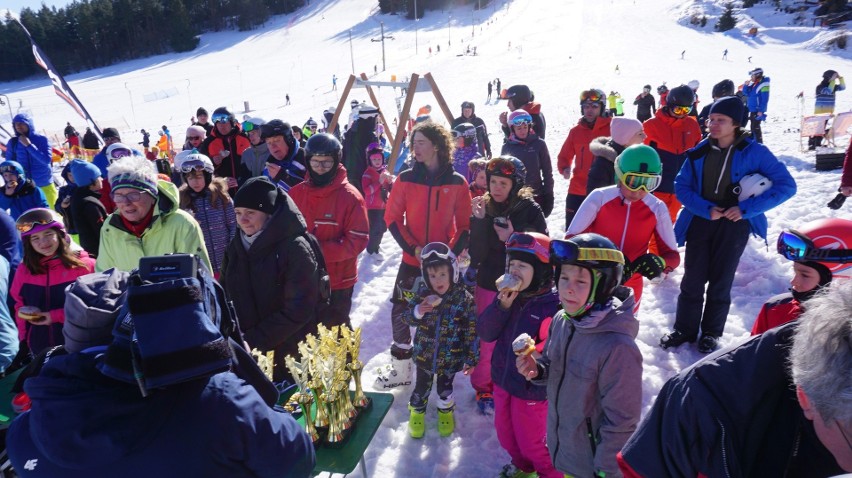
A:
(415, 85)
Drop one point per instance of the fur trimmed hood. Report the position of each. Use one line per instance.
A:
(605, 147)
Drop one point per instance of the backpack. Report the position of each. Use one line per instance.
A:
(322, 271)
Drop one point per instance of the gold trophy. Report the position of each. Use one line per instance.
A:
(330, 399)
(356, 366)
(303, 396)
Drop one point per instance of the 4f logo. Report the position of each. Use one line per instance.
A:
(30, 465)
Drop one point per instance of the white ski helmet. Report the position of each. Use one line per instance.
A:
(694, 84)
(753, 185)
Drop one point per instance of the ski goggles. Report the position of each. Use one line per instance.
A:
(195, 165)
(248, 127)
(522, 242)
(221, 118)
(34, 218)
(500, 167)
(638, 181)
(436, 250)
(568, 252)
(591, 95)
(681, 110)
(8, 168)
(797, 247)
(118, 153)
(521, 121)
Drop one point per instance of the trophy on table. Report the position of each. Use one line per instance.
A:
(304, 395)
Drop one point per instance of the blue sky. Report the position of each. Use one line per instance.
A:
(18, 5)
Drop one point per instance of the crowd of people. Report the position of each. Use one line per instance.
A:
(544, 323)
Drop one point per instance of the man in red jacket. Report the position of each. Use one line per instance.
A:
(335, 213)
(575, 151)
(224, 146)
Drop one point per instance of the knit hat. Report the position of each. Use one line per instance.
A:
(623, 129)
(85, 173)
(196, 130)
(730, 106)
(133, 172)
(201, 111)
(258, 193)
(110, 133)
(92, 303)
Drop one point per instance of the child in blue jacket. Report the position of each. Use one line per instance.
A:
(19, 193)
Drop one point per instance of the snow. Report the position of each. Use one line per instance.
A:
(559, 49)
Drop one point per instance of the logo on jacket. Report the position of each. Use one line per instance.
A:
(30, 465)
(328, 215)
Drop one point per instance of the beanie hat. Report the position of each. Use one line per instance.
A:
(133, 172)
(196, 130)
(623, 129)
(92, 304)
(258, 193)
(730, 106)
(85, 173)
(111, 133)
(201, 111)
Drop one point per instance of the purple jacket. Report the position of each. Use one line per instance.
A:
(527, 314)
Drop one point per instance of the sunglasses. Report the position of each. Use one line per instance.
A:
(681, 110)
(526, 243)
(327, 164)
(591, 95)
(568, 252)
(221, 118)
(435, 249)
(194, 165)
(193, 138)
(132, 196)
(638, 181)
(797, 247)
(31, 219)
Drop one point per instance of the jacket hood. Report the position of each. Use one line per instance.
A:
(532, 108)
(605, 148)
(286, 222)
(167, 197)
(70, 384)
(27, 120)
(616, 316)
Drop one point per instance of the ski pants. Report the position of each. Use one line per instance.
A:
(377, 229)
(480, 379)
(521, 430)
(401, 331)
(713, 250)
(423, 387)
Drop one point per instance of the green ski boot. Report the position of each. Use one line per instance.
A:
(417, 422)
(446, 422)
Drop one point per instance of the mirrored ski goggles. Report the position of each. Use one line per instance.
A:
(526, 243)
(568, 252)
(248, 127)
(8, 168)
(195, 165)
(637, 181)
(435, 249)
(591, 95)
(33, 218)
(120, 153)
(681, 110)
(500, 167)
(221, 118)
(797, 247)
(521, 121)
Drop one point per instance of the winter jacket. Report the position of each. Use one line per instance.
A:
(748, 157)
(274, 284)
(593, 371)
(539, 124)
(47, 292)
(733, 414)
(211, 426)
(602, 172)
(66, 191)
(846, 174)
(171, 231)
(8, 329)
(254, 161)
(218, 224)
(424, 208)
(758, 94)
(335, 214)
(10, 240)
(530, 315)
(575, 151)
(375, 191)
(294, 168)
(482, 140)
(445, 339)
(36, 158)
(777, 311)
(488, 252)
(461, 158)
(645, 106)
(90, 140)
(825, 96)
(100, 160)
(536, 158)
(235, 143)
(629, 225)
(671, 137)
(89, 215)
(25, 197)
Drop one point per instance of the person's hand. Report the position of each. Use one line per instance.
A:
(566, 173)
(648, 265)
(66, 203)
(24, 140)
(417, 251)
(760, 116)
(467, 369)
(44, 320)
(469, 278)
(527, 366)
(192, 120)
(506, 297)
(716, 213)
(10, 187)
(503, 233)
(424, 308)
(504, 118)
(477, 206)
(846, 191)
(232, 183)
(733, 213)
(547, 204)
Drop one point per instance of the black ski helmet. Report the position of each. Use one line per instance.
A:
(468, 132)
(508, 167)
(468, 104)
(519, 94)
(438, 254)
(724, 88)
(277, 127)
(223, 111)
(680, 96)
(662, 89)
(597, 254)
(323, 144)
(828, 75)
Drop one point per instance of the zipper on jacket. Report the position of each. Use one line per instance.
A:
(626, 223)
(428, 211)
(437, 342)
(559, 386)
(724, 166)
(724, 448)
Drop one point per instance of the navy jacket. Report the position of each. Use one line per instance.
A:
(83, 423)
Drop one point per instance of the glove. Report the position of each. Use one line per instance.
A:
(469, 277)
(648, 265)
(546, 203)
(760, 117)
(837, 202)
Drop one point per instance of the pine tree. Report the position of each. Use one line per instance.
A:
(727, 21)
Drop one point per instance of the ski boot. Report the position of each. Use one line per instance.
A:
(416, 422)
(398, 373)
(485, 403)
(512, 471)
(446, 422)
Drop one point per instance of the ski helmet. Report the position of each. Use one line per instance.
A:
(519, 117)
(467, 132)
(39, 219)
(277, 127)
(723, 88)
(468, 104)
(437, 254)
(752, 185)
(680, 96)
(116, 151)
(375, 148)
(323, 144)
(222, 115)
(662, 89)
(599, 256)
(828, 75)
(191, 160)
(594, 95)
(507, 167)
(694, 84)
(519, 94)
(534, 249)
(824, 244)
(756, 72)
(647, 87)
(639, 167)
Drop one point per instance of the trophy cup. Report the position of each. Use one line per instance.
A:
(329, 397)
(303, 396)
(356, 367)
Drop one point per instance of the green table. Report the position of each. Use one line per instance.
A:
(344, 460)
(7, 413)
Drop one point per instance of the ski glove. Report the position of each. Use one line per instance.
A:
(648, 265)
(837, 202)
(469, 277)
(546, 203)
(760, 116)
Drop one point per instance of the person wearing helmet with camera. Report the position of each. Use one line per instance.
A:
(469, 116)
(821, 252)
(335, 214)
(576, 152)
(726, 185)
(525, 145)
(630, 217)
(756, 89)
(590, 363)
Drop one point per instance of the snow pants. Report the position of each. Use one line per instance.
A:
(521, 430)
(480, 379)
